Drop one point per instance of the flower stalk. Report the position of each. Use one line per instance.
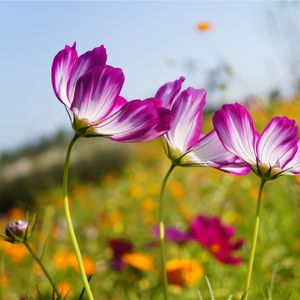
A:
(254, 241)
(69, 219)
(39, 262)
(162, 232)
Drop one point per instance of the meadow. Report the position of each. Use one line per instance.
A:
(122, 204)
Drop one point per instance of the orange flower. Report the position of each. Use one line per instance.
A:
(64, 288)
(89, 265)
(65, 260)
(136, 191)
(254, 192)
(3, 280)
(15, 213)
(204, 26)
(138, 260)
(148, 205)
(183, 272)
(16, 251)
(177, 190)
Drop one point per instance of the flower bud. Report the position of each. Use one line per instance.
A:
(17, 231)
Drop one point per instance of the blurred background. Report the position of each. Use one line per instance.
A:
(239, 51)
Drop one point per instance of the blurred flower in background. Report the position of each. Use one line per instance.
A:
(204, 26)
(123, 256)
(119, 247)
(216, 238)
(183, 272)
(138, 261)
(65, 260)
(210, 233)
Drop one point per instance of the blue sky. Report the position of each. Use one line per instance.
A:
(141, 38)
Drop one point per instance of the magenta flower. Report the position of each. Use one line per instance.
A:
(211, 234)
(274, 152)
(216, 238)
(185, 144)
(90, 90)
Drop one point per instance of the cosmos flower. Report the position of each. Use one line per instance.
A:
(211, 234)
(274, 152)
(90, 90)
(216, 238)
(185, 144)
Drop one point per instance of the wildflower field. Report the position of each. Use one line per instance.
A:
(115, 217)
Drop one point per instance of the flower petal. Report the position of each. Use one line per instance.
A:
(172, 234)
(168, 92)
(235, 129)
(293, 166)
(131, 123)
(97, 93)
(61, 70)
(86, 62)
(277, 144)
(186, 125)
(211, 152)
(162, 126)
(118, 105)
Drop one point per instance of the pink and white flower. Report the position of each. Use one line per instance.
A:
(185, 144)
(274, 152)
(90, 90)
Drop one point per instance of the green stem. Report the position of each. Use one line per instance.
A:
(254, 241)
(43, 269)
(162, 232)
(69, 220)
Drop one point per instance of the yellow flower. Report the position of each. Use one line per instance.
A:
(148, 205)
(183, 272)
(177, 190)
(138, 260)
(231, 217)
(135, 191)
